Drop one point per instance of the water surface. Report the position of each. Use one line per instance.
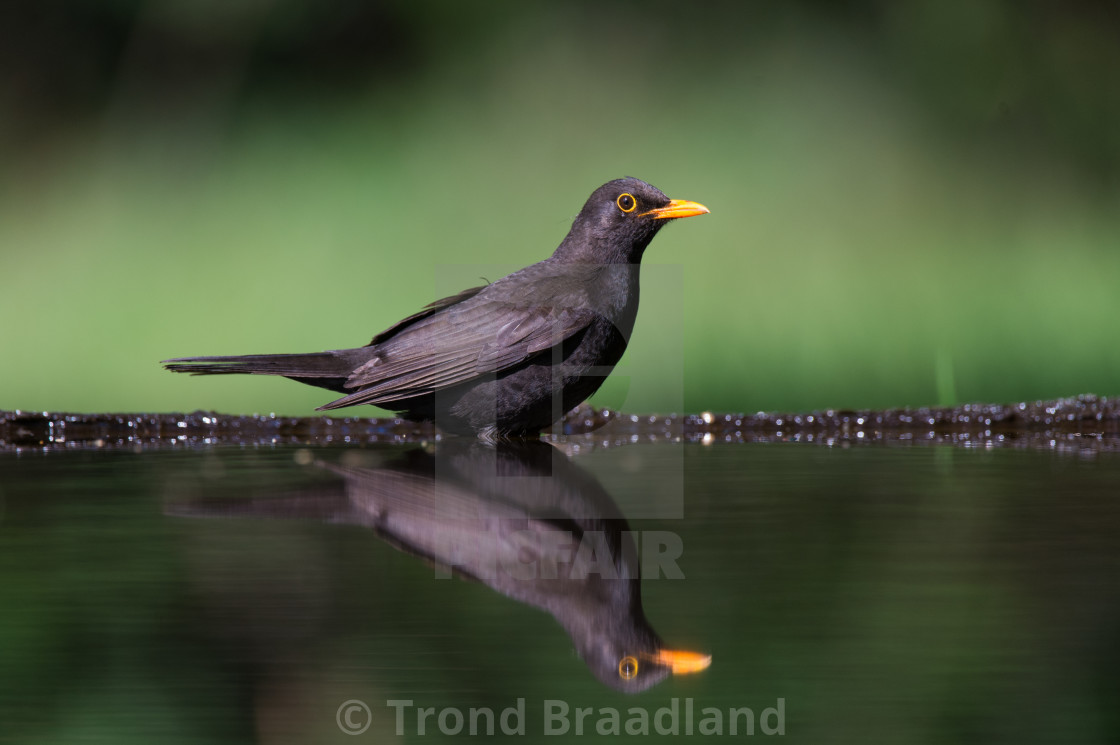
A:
(240, 593)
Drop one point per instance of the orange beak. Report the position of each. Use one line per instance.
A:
(677, 208)
(682, 662)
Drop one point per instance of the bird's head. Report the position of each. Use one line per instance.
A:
(630, 658)
(619, 220)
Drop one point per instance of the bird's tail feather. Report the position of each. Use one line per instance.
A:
(334, 364)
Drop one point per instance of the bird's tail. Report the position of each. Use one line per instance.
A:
(323, 369)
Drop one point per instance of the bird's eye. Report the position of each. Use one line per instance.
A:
(626, 203)
(627, 666)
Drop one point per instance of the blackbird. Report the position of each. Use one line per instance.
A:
(505, 359)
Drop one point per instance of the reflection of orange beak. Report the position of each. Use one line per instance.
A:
(677, 208)
(682, 662)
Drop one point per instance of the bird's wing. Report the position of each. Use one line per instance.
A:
(429, 310)
(458, 344)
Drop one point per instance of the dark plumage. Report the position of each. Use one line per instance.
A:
(508, 358)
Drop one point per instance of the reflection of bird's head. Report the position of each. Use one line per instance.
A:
(620, 219)
(626, 654)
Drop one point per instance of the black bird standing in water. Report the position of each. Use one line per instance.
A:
(509, 358)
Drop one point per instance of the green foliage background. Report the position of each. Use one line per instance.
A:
(912, 203)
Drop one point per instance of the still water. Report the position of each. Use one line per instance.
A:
(304, 593)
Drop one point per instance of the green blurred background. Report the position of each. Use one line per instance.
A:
(912, 203)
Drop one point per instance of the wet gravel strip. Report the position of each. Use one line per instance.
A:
(1084, 424)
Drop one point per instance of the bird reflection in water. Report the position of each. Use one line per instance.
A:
(520, 517)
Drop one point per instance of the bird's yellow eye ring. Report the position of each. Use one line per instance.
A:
(627, 666)
(626, 203)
